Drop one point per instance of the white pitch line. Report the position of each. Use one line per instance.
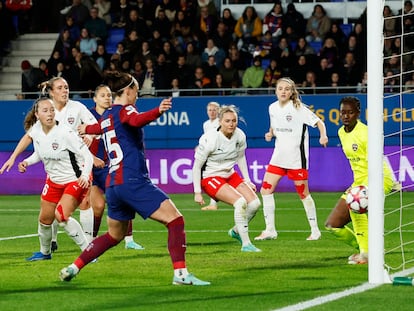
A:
(335, 296)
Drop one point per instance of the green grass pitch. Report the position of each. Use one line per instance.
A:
(289, 270)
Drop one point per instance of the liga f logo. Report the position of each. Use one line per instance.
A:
(71, 120)
(288, 118)
(354, 147)
(55, 146)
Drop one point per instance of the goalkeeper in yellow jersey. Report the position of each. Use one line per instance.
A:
(354, 140)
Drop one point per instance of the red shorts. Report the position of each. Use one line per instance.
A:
(211, 185)
(292, 174)
(53, 192)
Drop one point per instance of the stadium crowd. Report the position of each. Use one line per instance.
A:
(184, 47)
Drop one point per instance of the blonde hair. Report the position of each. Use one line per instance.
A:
(46, 86)
(295, 93)
(214, 104)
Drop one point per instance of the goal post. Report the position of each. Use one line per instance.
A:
(375, 105)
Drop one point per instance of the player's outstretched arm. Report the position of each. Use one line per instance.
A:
(24, 142)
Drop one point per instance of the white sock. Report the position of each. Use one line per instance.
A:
(129, 238)
(213, 202)
(55, 229)
(252, 208)
(45, 237)
(240, 219)
(75, 232)
(269, 207)
(181, 273)
(86, 219)
(310, 210)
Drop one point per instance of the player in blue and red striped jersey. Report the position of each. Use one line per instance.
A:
(129, 189)
(96, 198)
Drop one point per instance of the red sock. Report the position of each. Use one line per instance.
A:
(95, 249)
(96, 225)
(177, 242)
(129, 232)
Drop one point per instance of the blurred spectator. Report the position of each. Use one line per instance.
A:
(169, 7)
(22, 15)
(31, 78)
(284, 56)
(146, 52)
(209, 4)
(273, 22)
(132, 44)
(393, 64)
(318, 24)
(228, 72)
(391, 83)
(90, 74)
(303, 48)
(222, 37)
(146, 11)
(330, 52)
(73, 29)
(205, 25)
(253, 76)
(53, 60)
(353, 46)
(104, 11)
(228, 19)
(101, 57)
(147, 84)
(299, 70)
(324, 72)
(183, 71)
(43, 68)
(218, 86)
(120, 14)
(64, 44)
(199, 82)
(363, 84)
(334, 85)
(79, 12)
(210, 68)
(361, 37)
(96, 26)
(350, 72)
(212, 50)
(239, 60)
(138, 70)
(87, 44)
(156, 42)
(272, 74)
(181, 27)
(248, 29)
(389, 21)
(137, 23)
(163, 25)
(175, 87)
(193, 58)
(337, 34)
(162, 74)
(294, 19)
(309, 84)
(169, 52)
(409, 84)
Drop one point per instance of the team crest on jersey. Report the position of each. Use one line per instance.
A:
(71, 120)
(55, 146)
(288, 118)
(354, 147)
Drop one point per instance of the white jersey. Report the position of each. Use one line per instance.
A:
(289, 125)
(62, 151)
(211, 125)
(220, 153)
(73, 114)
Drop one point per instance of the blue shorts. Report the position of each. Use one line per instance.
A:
(99, 177)
(127, 199)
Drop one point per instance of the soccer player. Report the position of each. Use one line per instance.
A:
(129, 189)
(354, 140)
(211, 124)
(68, 112)
(68, 164)
(213, 171)
(289, 121)
(103, 100)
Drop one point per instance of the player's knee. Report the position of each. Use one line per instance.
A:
(254, 205)
(300, 190)
(240, 203)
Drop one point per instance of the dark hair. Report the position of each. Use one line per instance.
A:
(119, 81)
(352, 100)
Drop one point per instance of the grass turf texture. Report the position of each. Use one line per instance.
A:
(288, 271)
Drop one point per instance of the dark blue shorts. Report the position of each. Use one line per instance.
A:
(125, 200)
(99, 177)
